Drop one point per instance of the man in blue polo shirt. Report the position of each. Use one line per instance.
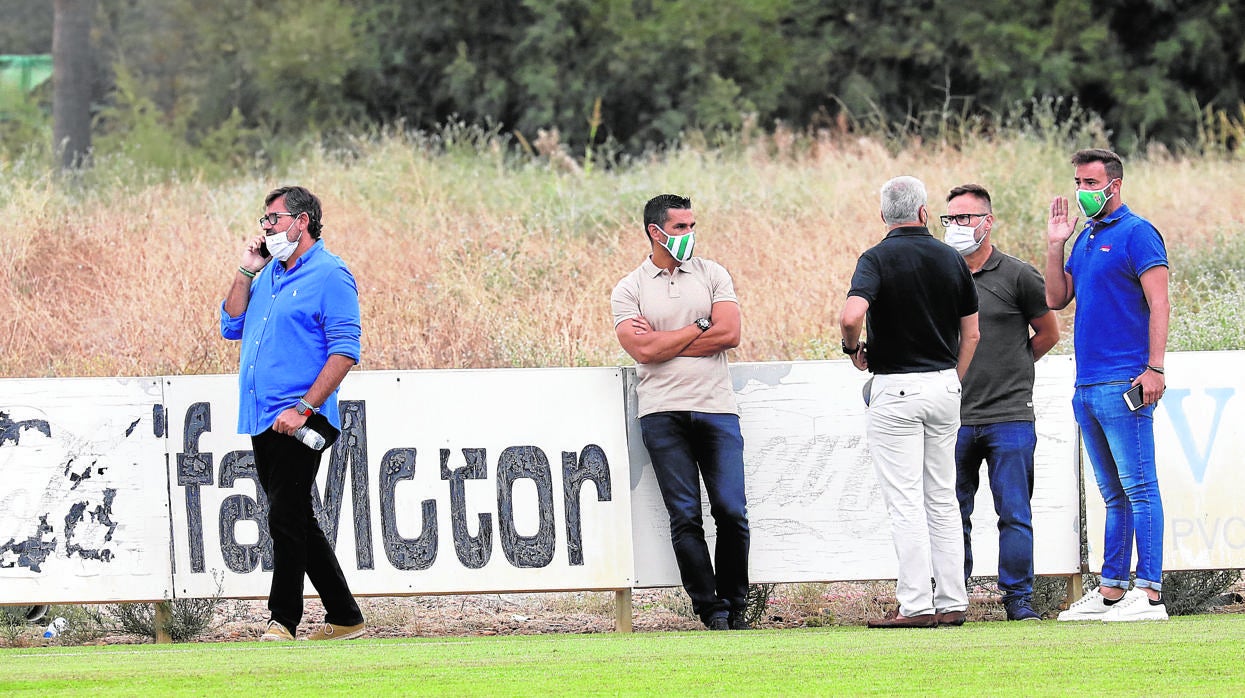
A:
(298, 319)
(1117, 271)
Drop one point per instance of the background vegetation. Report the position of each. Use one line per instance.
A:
(226, 84)
(471, 256)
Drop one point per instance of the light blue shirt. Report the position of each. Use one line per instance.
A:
(295, 320)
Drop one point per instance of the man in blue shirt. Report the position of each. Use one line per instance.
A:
(298, 320)
(1117, 271)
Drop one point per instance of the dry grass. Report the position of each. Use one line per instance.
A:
(466, 259)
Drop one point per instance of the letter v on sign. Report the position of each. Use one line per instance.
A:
(1174, 402)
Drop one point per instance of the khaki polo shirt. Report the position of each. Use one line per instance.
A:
(671, 301)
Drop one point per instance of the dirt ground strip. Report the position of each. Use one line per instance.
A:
(789, 606)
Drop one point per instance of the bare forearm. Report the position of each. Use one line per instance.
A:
(654, 347)
(970, 335)
(1042, 343)
(852, 320)
(968, 347)
(1045, 334)
(1058, 282)
(712, 341)
(239, 295)
(1160, 317)
(331, 376)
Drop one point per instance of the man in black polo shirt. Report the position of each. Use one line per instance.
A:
(920, 305)
(996, 413)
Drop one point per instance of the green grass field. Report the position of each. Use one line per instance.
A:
(1197, 655)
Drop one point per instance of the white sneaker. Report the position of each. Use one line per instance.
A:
(1091, 606)
(1135, 606)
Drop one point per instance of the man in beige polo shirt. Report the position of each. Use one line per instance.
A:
(676, 315)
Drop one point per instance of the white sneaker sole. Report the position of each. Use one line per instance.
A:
(1080, 616)
(1141, 616)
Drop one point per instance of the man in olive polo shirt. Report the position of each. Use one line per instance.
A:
(996, 409)
(676, 315)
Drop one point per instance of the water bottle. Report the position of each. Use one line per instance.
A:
(55, 628)
(310, 437)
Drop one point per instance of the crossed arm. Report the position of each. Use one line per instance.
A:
(649, 346)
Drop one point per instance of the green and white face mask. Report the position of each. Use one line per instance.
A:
(1092, 202)
(680, 246)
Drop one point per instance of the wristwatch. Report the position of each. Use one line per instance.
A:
(703, 323)
(304, 408)
(849, 352)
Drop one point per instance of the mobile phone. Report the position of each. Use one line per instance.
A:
(263, 250)
(1132, 398)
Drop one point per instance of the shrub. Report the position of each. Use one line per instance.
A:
(1197, 591)
(187, 620)
(758, 603)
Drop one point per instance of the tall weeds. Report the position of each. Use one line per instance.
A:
(469, 254)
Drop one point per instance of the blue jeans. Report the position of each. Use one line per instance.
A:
(1007, 448)
(684, 447)
(1120, 445)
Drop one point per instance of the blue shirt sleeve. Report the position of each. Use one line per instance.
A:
(231, 327)
(1146, 249)
(342, 328)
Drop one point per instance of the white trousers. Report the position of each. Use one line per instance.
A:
(913, 422)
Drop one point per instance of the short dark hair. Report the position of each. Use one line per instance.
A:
(299, 200)
(657, 210)
(1112, 162)
(975, 190)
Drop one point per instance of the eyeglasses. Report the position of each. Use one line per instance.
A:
(272, 218)
(959, 218)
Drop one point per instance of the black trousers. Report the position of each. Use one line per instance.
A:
(287, 472)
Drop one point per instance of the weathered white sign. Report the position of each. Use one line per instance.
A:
(84, 508)
(814, 506)
(1198, 449)
(529, 480)
(442, 482)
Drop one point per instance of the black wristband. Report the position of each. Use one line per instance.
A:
(850, 352)
(1156, 369)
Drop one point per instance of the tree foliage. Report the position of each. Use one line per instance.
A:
(660, 68)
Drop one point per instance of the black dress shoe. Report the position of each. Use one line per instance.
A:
(951, 618)
(895, 620)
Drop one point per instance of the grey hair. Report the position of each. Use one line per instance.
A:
(902, 199)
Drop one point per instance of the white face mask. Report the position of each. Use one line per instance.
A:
(279, 245)
(964, 238)
(680, 246)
